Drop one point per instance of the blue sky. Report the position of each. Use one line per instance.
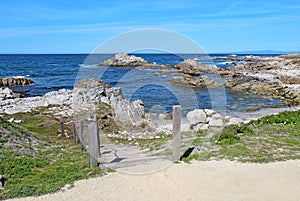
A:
(37, 26)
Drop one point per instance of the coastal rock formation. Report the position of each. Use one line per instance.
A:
(201, 81)
(235, 58)
(61, 97)
(193, 67)
(15, 82)
(274, 76)
(124, 60)
(87, 93)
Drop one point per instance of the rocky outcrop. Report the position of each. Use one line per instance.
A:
(15, 82)
(62, 97)
(87, 93)
(124, 60)
(235, 58)
(84, 98)
(201, 81)
(193, 68)
(278, 77)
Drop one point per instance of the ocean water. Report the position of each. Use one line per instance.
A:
(56, 71)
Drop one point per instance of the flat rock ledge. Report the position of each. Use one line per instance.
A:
(15, 82)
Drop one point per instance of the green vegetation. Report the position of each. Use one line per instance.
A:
(106, 121)
(272, 138)
(158, 142)
(38, 160)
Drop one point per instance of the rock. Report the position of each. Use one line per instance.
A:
(5, 93)
(193, 67)
(226, 119)
(188, 66)
(188, 80)
(85, 97)
(201, 127)
(130, 112)
(121, 60)
(234, 121)
(15, 82)
(196, 116)
(277, 77)
(216, 123)
(124, 60)
(18, 121)
(217, 116)
(164, 116)
(209, 112)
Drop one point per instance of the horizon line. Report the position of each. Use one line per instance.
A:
(238, 52)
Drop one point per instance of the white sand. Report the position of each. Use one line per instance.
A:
(207, 181)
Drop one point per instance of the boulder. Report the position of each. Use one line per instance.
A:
(209, 112)
(216, 123)
(196, 116)
(234, 121)
(5, 93)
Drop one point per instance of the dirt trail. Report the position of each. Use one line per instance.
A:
(211, 180)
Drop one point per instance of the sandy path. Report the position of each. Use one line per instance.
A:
(209, 181)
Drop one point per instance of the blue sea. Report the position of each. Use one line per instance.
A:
(56, 71)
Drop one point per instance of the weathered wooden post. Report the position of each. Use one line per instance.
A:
(94, 142)
(75, 134)
(81, 135)
(176, 132)
(62, 128)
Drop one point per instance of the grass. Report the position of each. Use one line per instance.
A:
(272, 138)
(52, 163)
(154, 144)
(57, 162)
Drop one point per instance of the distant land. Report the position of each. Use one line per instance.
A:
(265, 52)
(232, 52)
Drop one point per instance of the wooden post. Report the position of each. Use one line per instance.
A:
(94, 143)
(75, 134)
(81, 135)
(176, 132)
(62, 128)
